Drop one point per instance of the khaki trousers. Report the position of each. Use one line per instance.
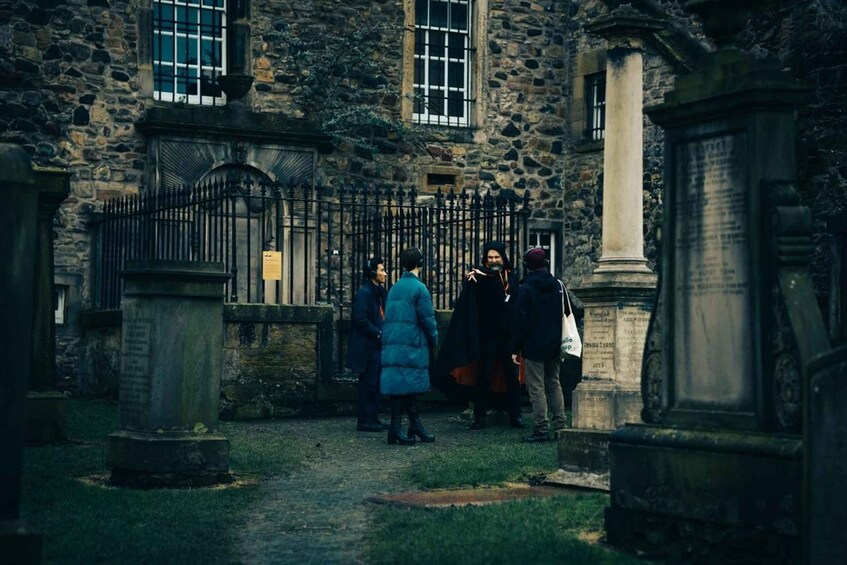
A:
(545, 392)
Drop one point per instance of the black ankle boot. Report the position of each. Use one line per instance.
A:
(396, 433)
(416, 427)
(478, 421)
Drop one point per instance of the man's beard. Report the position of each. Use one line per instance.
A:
(496, 268)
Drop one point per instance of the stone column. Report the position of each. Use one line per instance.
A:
(18, 241)
(46, 414)
(171, 362)
(623, 158)
(618, 297)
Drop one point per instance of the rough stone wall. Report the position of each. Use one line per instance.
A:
(269, 370)
(518, 144)
(810, 39)
(69, 95)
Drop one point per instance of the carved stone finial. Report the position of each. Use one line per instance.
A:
(235, 86)
(722, 19)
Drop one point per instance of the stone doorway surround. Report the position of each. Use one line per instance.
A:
(185, 144)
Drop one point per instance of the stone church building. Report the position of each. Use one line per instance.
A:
(134, 97)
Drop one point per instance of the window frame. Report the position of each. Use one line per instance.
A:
(190, 32)
(595, 103)
(469, 90)
(534, 240)
(588, 62)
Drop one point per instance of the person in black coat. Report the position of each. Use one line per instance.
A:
(364, 346)
(537, 337)
(476, 351)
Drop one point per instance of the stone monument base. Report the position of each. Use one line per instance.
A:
(168, 459)
(46, 418)
(18, 544)
(705, 496)
(583, 459)
(605, 406)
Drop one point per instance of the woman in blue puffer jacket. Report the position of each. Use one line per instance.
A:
(408, 335)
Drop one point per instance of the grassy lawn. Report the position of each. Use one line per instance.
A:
(562, 529)
(85, 521)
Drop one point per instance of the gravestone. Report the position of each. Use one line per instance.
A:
(716, 474)
(18, 241)
(825, 441)
(46, 419)
(171, 362)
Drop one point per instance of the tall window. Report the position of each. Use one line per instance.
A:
(595, 102)
(189, 46)
(443, 62)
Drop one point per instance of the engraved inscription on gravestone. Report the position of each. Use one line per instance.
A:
(599, 347)
(632, 330)
(711, 324)
(135, 372)
(595, 411)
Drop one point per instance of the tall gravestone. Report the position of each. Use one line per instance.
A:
(171, 362)
(18, 240)
(618, 296)
(715, 475)
(46, 414)
(825, 459)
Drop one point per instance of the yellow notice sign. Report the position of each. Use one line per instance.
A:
(272, 265)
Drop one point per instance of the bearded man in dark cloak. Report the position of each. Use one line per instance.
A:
(475, 359)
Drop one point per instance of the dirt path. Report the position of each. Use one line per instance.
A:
(318, 514)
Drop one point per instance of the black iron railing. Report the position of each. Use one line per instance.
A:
(322, 236)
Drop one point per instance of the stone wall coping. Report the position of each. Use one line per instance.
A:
(723, 441)
(191, 271)
(280, 313)
(226, 123)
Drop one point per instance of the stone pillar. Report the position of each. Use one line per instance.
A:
(623, 157)
(171, 362)
(18, 244)
(46, 413)
(618, 296)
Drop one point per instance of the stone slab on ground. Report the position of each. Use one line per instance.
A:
(565, 478)
(446, 498)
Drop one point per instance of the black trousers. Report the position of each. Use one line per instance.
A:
(368, 393)
(487, 361)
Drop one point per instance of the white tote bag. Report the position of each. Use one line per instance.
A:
(571, 344)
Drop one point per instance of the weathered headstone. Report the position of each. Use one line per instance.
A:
(46, 419)
(18, 240)
(172, 355)
(618, 296)
(825, 450)
(717, 477)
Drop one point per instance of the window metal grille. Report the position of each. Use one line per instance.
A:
(595, 97)
(189, 50)
(443, 74)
